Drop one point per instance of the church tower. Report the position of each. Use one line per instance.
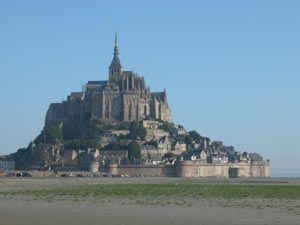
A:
(115, 68)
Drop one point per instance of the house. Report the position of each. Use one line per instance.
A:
(180, 146)
(148, 149)
(113, 155)
(164, 144)
(203, 156)
(196, 145)
(120, 132)
(150, 124)
(180, 131)
(217, 159)
(155, 134)
(153, 159)
(107, 138)
(217, 144)
(225, 159)
(244, 157)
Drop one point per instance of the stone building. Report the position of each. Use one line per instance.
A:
(114, 155)
(123, 97)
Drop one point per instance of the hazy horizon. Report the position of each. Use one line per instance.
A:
(231, 68)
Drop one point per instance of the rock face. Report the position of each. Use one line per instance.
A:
(123, 97)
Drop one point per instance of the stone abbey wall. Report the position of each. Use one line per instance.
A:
(123, 97)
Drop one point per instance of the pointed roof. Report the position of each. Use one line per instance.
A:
(116, 46)
(115, 63)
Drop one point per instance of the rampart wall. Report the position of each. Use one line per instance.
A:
(190, 168)
(147, 170)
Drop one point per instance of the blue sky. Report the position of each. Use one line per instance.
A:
(231, 68)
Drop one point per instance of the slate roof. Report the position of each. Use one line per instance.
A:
(115, 63)
(256, 157)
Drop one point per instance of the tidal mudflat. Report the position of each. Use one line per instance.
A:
(149, 201)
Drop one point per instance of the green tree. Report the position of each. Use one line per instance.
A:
(148, 117)
(188, 140)
(134, 151)
(112, 146)
(137, 130)
(90, 143)
(82, 144)
(122, 126)
(168, 127)
(54, 134)
(195, 136)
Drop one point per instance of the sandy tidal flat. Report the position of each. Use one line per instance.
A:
(26, 209)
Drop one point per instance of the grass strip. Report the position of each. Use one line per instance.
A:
(223, 191)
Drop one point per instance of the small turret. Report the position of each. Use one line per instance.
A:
(165, 96)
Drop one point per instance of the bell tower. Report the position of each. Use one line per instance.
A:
(115, 68)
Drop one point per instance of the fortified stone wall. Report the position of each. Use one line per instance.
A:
(254, 169)
(190, 168)
(149, 170)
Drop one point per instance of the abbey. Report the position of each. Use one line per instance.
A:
(123, 97)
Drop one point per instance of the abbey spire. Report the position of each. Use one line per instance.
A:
(116, 47)
(115, 68)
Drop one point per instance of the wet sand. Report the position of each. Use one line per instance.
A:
(25, 211)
